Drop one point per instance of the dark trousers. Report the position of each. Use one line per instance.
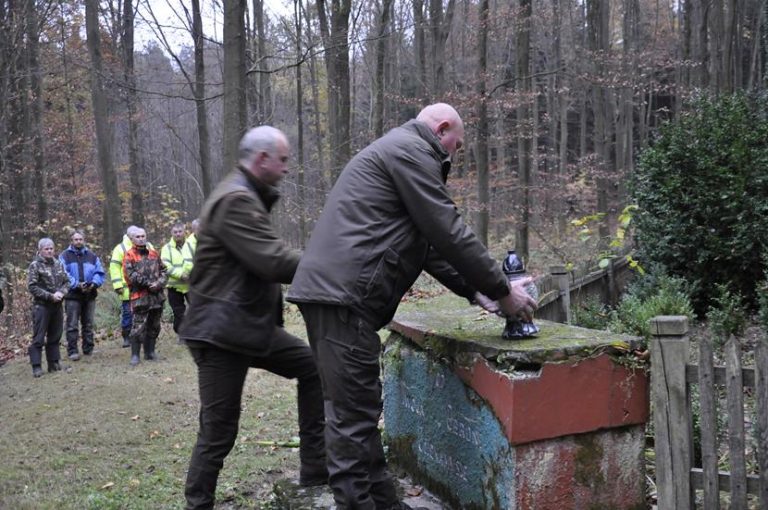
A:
(347, 351)
(79, 312)
(47, 326)
(221, 375)
(145, 329)
(178, 301)
(126, 317)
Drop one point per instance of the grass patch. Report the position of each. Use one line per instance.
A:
(107, 436)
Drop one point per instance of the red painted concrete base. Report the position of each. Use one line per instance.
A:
(562, 398)
(600, 470)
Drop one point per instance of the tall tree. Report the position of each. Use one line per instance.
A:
(524, 135)
(300, 127)
(234, 114)
(36, 117)
(421, 52)
(201, 111)
(481, 147)
(137, 201)
(264, 110)
(440, 22)
(111, 206)
(381, 55)
(336, 42)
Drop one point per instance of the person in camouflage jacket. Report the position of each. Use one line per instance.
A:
(146, 277)
(48, 282)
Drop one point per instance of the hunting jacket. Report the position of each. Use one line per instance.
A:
(142, 269)
(388, 217)
(45, 277)
(239, 265)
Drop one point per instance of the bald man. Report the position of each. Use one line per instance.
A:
(387, 218)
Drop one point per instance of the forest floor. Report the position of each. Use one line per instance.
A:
(103, 435)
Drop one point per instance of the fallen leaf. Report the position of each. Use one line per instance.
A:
(108, 485)
(177, 446)
(168, 380)
(154, 434)
(135, 418)
(134, 482)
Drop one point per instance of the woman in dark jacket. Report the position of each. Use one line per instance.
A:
(48, 283)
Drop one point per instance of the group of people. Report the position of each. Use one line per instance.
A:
(69, 284)
(388, 217)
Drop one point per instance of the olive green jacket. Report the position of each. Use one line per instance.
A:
(388, 217)
(240, 261)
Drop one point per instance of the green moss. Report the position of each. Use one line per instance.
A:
(588, 458)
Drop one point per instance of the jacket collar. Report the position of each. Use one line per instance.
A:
(423, 131)
(71, 248)
(268, 194)
(43, 260)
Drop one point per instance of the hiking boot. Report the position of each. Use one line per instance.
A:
(126, 342)
(135, 360)
(313, 478)
(54, 366)
(74, 356)
(150, 356)
(37, 371)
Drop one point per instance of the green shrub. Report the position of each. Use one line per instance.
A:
(726, 316)
(702, 192)
(666, 296)
(591, 313)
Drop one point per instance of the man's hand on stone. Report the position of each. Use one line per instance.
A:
(486, 303)
(518, 303)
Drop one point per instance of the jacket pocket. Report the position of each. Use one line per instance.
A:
(380, 292)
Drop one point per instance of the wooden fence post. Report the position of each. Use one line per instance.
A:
(761, 387)
(708, 424)
(671, 418)
(560, 276)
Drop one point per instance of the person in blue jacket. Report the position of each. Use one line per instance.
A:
(85, 276)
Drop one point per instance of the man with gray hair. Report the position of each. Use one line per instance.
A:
(48, 283)
(234, 308)
(118, 282)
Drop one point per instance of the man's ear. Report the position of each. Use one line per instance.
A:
(442, 127)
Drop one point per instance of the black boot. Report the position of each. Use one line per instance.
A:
(135, 350)
(37, 371)
(54, 366)
(126, 339)
(149, 350)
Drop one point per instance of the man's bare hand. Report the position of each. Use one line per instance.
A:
(57, 296)
(518, 303)
(486, 303)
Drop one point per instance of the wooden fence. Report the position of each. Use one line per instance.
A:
(678, 478)
(562, 290)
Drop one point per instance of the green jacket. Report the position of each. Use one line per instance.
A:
(388, 217)
(45, 277)
(174, 260)
(240, 262)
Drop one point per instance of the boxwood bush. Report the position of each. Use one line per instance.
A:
(702, 192)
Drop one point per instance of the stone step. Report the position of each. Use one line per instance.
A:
(289, 495)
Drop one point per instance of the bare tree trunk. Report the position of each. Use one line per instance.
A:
(265, 81)
(481, 146)
(381, 55)
(319, 137)
(204, 149)
(111, 205)
(137, 203)
(234, 116)
(36, 89)
(336, 43)
(421, 48)
(300, 127)
(716, 41)
(523, 128)
(597, 20)
(441, 26)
